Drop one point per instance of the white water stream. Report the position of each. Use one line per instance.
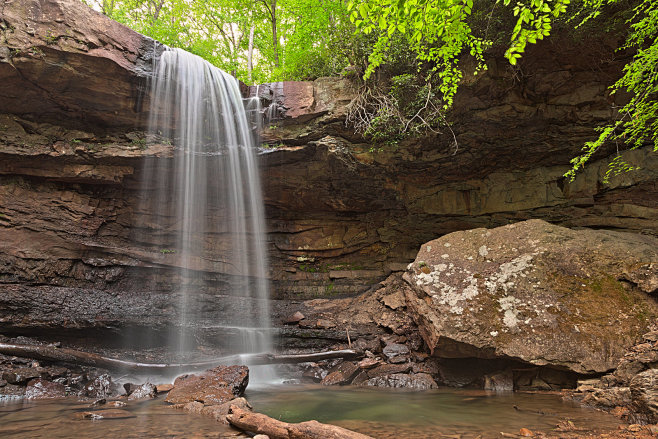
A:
(207, 204)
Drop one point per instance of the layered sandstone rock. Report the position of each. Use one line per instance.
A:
(62, 61)
(342, 214)
(534, 292)
(632, 389)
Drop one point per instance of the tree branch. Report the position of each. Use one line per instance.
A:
(72, 356)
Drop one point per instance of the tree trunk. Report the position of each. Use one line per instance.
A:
(262, 424)
(275, 39)
(250, 52)
(72, 356)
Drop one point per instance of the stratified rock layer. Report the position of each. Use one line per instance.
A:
(342, 214)
(632, 389)
(533, 291)
(62, 61)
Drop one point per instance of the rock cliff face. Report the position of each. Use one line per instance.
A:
(342, 213)
(62, 61)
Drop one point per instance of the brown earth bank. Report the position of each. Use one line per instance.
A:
(79, 258)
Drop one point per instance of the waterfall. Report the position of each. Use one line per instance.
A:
(205, 206)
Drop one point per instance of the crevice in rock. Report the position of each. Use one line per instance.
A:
(505, 374)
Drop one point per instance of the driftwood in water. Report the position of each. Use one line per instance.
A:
(72, 356)
(262, 424)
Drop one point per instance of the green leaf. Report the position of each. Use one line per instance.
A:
(363, 10)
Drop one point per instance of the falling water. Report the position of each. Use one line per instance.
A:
(207, 204)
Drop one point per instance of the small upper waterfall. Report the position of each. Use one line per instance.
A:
(206, 210)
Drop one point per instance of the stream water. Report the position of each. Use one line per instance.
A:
(379, 413)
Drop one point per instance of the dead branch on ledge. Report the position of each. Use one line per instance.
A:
(262, 424)
(72, 356)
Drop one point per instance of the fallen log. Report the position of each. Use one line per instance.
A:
(262, 424)
(72, 356)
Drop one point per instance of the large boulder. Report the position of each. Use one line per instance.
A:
(215, 386)
(535, 292)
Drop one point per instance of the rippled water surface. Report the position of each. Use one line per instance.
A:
(380, 413)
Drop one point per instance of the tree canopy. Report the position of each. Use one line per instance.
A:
(255, 40)
(423, 44)
(440, 33)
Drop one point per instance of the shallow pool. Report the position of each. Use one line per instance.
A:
(378, 412)
(447, 412)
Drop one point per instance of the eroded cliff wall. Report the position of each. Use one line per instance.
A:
(342, 213)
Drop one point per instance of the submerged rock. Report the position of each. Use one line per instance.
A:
(105, 414)
(544, 294)
(116, 404)
(215, 386)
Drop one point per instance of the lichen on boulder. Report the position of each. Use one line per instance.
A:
(533, 291)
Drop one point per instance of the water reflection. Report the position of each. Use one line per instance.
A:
(380, 413)
(432, 414)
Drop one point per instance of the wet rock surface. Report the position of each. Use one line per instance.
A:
(215, 386)
(145, 391)
(40, 388)
(105, 414)
(32, 379)
(100, 387)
